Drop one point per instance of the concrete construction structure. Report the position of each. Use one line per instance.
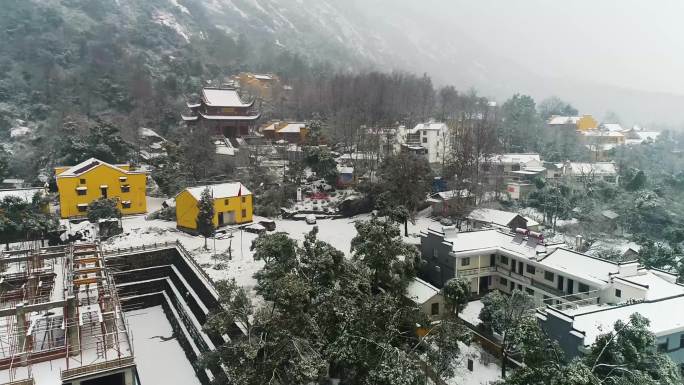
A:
(93, 179)
(223, 111)
(232, 205)
(60, 319)
(579, 296)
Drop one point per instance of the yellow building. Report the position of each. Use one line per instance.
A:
(579, 123)
(232, 205)
(93, 179)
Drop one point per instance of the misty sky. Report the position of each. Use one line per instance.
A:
(628, 43)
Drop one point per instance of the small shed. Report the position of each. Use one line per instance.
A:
(428, 298)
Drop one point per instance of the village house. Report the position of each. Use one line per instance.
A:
(26, 194)
(600, 142)
(504, 220)
(232, 205)
(93, 179)
(290, 132)
(514, 171)
(572, 123)
(431, 139)
(452, 202)
(637, 135)
(580, 171)
(223, 111)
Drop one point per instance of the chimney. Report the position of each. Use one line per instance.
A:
(628, 269)
(449, 231)
(578, 242)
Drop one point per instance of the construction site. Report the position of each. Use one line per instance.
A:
(61, 321)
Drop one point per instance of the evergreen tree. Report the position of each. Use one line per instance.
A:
(205, 215)
(456, 292)
(103, 208)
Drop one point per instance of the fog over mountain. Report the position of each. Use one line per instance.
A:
(575, 49)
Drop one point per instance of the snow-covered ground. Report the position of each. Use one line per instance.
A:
(471, 312)
(158, 361)
(486, 369)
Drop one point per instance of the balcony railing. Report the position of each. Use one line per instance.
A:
(476, 271)
(97, 368)
(511, 274)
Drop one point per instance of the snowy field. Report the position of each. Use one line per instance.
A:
(471, 313)
(159, 361)
(486, 369)
(241, 266)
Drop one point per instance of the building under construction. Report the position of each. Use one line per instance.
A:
(60, 319)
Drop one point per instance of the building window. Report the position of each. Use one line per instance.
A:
(465, 261)
(662, 347)
(504, 260)
(81, 191)
(503, 281)
(82, 208)
(583, 288)
(681, 340)
(126, 204)
(435, 253)
(530, 269)
(519, 287)
(82, 181)
(125, 188)
(549, 276)
(434, 309)
(529, 291)
(244, 213)
(226, 202)
(618, 293)
(244, 199)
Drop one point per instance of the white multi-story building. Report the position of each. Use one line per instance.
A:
(579, 296)
(432, 139)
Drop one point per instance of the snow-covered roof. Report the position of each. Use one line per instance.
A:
(648, 135)
(220, 191)
(516, 158)
(610, 214)
(25, 194)
(435, 126)
(218, 97)
(598, 168)
(580, 265)
(655, 286)
(263, 77)
(451, 194)
(599, 133)
(228, 117)
(420, 291)
(666, 317)
(88, 165)
(144, 131)
(270, 127)
(492, 240)
(560, 120)
(497, 217)
(345, 170)
(612, 127)
(292, 128)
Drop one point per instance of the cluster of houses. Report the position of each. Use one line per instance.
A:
(600, 138)
(578, 296)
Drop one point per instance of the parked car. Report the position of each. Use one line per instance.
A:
(310, 219)
(268, 224)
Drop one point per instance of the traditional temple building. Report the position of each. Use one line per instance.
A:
(224, 111)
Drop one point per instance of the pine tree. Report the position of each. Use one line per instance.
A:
(205, 216)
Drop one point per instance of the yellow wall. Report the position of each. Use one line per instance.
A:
(94, 178)
(187, 210)
(586, 122)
